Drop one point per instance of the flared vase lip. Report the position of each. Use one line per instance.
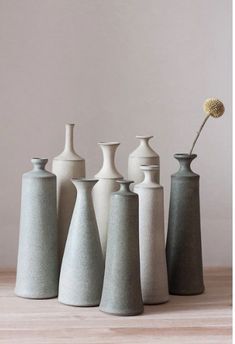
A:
(70, 124)
(82, 180)
(185, 156)
(39, 160)
(124, 181)
(151, 167)
(144, 136)
(109, 143)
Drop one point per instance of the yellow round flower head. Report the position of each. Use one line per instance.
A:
(213, 107)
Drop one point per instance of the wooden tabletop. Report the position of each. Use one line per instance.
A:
(198, 319)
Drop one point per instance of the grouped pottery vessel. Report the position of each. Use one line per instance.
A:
(142, 155)
(121, 293)
(37, 265)
(65, 166)
(107, 176)
(183, 249)
(82, 268)
(153, 270)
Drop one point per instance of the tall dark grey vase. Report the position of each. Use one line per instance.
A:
(122, 290)
(183, 248)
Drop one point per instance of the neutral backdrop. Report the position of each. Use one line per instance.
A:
(117, 69)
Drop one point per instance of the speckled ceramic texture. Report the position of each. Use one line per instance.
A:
(122, 290)
(66, 166)
(142, 155)
(154, 283)
(107, 176)
(82, 269)
(37, 266)
(184, 253)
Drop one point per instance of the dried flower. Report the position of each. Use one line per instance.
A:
(212, 107)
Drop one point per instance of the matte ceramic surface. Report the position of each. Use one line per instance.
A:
(153, 268)
(122, 290)
(108, 175)
(184, 253)
(37, 266)
(82, 269)
(142, 155)
(66, 166)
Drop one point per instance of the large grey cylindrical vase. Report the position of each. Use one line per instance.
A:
(183, 249)
(122, 289)
(82, 269)
(153, 270)
(37, 266)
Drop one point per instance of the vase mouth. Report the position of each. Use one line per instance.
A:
(39, 160)
(149, 167)
(113, 143)
(144, 136)
(124, 181)
(70, 124)
(82, 180)
(185, 156)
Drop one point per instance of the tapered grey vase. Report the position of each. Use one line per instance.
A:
(183, 249)
(37, 266)
(122, 290)
(82, 269)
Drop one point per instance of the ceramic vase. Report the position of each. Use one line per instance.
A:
(107, 176)
(153, 270)
(82, 269)
(183, 249)
(66, 166)
(142, 155)
(37, 266)
(122, 290)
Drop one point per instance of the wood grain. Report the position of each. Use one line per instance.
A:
(185, 319)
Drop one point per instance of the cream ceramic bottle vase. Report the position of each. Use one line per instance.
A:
(183, 249)
(153, 270)
(142, 155)
(65, 166)
(37, 266)
(107, 176)
(121, 293)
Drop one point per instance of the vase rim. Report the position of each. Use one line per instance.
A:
(150, 167)
(70, 124)
(185, 155)
(144, 136)
(88, 180)
(113, 143)
(124, 181)
(41, 160)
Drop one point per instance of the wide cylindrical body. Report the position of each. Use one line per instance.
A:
(82, 269)
(122, 290)
(153, 270)
(184, 253)
(66, 166)
(37, 266)
(107, 176)
(142, 155)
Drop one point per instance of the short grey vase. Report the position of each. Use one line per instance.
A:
(122, 289)
(82, 269)
(183, 248)
(37, 267)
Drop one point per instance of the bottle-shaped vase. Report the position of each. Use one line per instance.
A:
(37, 265)
(121, 293)
(153, 269)
(107, 176)
(142, 155)
(82, 269)
(183, 249)
(66, 166)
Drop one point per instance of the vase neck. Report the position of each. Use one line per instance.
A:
(69, 138)
(39, 164)
(124, 185)
(185, 161)
(108, 169)
(84, 184)
(151, 173)
(144, 140)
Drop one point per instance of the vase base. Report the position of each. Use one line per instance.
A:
(187, 292)
(122, 313)
(32, 297)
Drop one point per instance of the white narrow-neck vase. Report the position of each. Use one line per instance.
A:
(66, 166)
(142, 155)
(107, 177)
(153, 269)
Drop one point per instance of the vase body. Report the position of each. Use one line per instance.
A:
(37, 265)
(66, 166)
(121, 293)
(153, 269)
(183, 249)
(82, 269)
(107, 176)
(142, 155)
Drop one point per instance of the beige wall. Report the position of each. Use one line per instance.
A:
(117, 68)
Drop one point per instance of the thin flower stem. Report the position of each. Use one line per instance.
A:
(198, 133)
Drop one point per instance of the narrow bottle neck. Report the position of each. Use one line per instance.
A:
(108, 169)
(185, 161)
(69, 138)
(151, 176)
(39, 164)
(124, 186)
